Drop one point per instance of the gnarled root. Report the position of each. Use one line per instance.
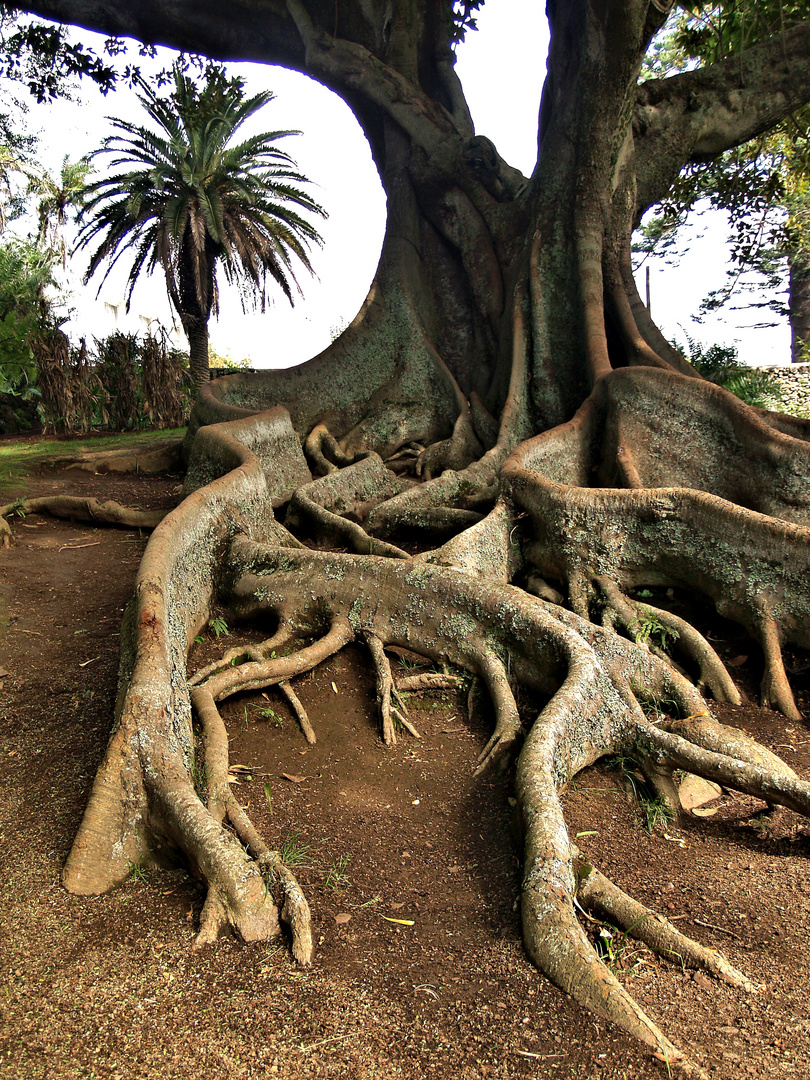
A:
(386, 690)
(80, 508)
(742, 534)
(323, 451)
(636, 617)
(594, 712)
(221, 804)
(320, 506)
(453, 606)
(299, 710)
(596, 893)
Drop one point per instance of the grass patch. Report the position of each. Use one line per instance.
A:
(20, 459)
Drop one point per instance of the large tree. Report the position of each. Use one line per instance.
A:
(570, 457)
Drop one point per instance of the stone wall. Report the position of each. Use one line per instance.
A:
(794, 380)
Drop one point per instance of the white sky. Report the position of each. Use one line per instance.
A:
(502, 72)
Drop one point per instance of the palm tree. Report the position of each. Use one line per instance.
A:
(190, 199)
(57, 197)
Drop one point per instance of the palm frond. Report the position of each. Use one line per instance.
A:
(180, 193)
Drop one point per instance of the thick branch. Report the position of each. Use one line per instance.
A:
(694, 116)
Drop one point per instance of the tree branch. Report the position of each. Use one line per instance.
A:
(289, 33)
(693, 117)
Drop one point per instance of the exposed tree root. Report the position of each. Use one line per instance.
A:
(320, 507)
(299, 710)
(390, 714)
(221, 804)
(642, 620)
(430, 680)
(454, 605)
(78, 508)
(147, 461)
(598, 894)
(751, 557)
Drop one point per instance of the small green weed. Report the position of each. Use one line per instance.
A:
(137, 871)
(657, 708)
(270, 714)
(337, 878)
(655, 813)
(218, 627)
(616, 948)
(648, 627)
(294, 851)
(627, 765)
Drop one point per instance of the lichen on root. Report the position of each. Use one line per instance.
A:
(456, 605)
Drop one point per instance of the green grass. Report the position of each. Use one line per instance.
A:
(20, 459)
(337, 877)
(653, 813)
(137, 870)
(294, 851)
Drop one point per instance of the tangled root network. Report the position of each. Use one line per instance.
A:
(518, 568)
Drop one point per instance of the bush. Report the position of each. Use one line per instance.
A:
(25, 310)
(126, 383)
(719, 364)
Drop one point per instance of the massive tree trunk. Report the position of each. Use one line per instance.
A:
(567, 455)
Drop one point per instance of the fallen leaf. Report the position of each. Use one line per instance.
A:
(675, 839)
(3, 673)
(342, 918)
(401, 922)
(738, 661)
(233, 778)
(293, 779)
(334, 687)
(396, 907)
(240, 769)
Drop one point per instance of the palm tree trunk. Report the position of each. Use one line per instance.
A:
(197, 334)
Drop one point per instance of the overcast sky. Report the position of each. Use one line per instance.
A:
(502, 73)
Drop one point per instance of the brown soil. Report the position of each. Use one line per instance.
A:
(108, 987)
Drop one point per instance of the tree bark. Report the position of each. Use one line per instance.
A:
(197, 333)
(799, 300)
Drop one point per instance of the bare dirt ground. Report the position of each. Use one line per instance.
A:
(109, 987)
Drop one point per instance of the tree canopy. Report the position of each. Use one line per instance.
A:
(762, 185)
